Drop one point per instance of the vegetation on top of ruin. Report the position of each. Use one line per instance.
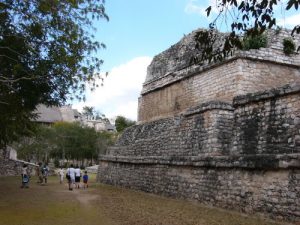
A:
(288, 46)
(247, 18)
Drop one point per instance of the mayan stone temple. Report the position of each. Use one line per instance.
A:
(224, 134)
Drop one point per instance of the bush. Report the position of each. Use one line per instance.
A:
(255, 42)
(288, 46)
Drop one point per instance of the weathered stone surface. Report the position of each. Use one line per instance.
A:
(169, 91)
(9, 167)
(191, 134)
(272, 192)
(249, 145)
(225, 134)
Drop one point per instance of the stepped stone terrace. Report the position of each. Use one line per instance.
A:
(225, 134)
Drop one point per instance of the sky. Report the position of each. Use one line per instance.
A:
(138, 30)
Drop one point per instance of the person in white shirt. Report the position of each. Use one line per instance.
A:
(77, 176)
(71, 176)
(61, 173)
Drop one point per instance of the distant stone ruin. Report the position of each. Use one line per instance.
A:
(225, 134)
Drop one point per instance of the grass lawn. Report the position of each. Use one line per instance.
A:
(54, 204)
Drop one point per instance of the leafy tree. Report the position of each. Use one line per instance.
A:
(75, 141)
(90, 111)
(104, 140)
(248, 18)
(46, 56)
(121, 123)
(39, 147)
(63, 141)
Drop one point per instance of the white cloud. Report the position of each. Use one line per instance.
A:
(198, 7)
(290, 21)
(122, 87)
(192, 7)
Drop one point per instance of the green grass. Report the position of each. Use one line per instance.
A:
(104, 205)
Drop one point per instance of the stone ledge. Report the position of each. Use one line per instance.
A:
(262, 161)
(263, 95)
(211, 105)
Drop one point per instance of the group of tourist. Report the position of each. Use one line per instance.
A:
(73, 176)
(41, 171)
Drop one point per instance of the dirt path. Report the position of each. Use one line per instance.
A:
(103, 205)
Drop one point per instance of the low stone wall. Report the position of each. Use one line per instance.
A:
(271, 192)
(10, 167)
(244, 156)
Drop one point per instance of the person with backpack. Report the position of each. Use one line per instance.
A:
(25, 177)
(71, 177)
(45, 171)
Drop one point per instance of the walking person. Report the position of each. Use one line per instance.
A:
(25, 177)
(85, 179)
(45, 171)
(39, 173)
(71, 177)
(77, 177)
(61, 173)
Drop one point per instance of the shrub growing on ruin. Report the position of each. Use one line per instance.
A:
(288, 46)
(255, 42)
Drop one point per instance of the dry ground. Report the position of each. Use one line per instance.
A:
(53, 204)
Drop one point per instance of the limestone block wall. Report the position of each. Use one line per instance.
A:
(267, 122)
(225, 134)
(243, 156)
(222, 83)
(173, 85)
(271, 192)
(206, 129)
(10, 167)
(190, 92)
(175, 63)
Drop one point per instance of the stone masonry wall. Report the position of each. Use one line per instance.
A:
(173, 85)
(201, 130)
(268, 122)
(244, 156)
(190, 92)
(9, 167)
(270, 192)
(226, 134)
(223, 83)
(174, 63)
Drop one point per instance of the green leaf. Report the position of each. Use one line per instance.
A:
(208, 10)
(290, 3)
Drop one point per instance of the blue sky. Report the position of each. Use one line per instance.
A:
(137, 31)
(143, 28)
